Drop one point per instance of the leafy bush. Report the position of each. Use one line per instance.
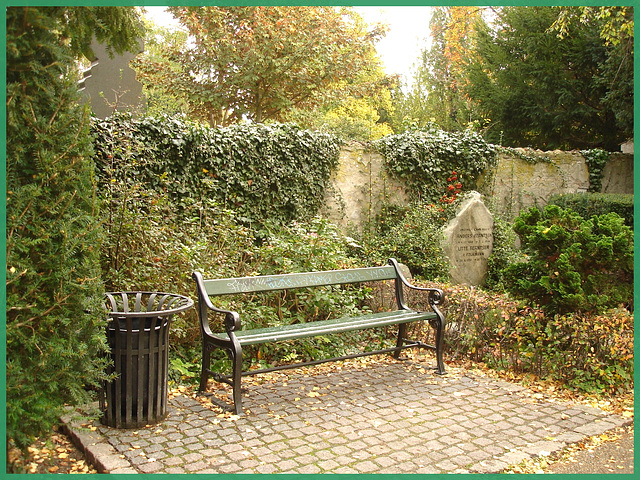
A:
(152, 246)
(503, 254)
(312, 245)
(590, 204)
(426, 160)
(277, 172)
(574, 265)
(592, 353)
(413, 236)
(474, 317)
(588, 353)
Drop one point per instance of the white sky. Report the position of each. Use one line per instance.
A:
(399, 49)
(407, 36)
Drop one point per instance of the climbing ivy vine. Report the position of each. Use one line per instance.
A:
(596, 160)
(435, 164)
(275, 172)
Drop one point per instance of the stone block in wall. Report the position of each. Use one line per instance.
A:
(519, 184)
(617, 175)
(359, 187)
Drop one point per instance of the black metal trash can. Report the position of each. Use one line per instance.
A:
(138, 336)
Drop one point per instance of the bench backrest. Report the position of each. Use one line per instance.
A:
(226, 286)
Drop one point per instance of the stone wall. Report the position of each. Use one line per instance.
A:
(518, 184)
(361, 185)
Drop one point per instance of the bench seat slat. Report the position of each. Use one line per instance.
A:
(321, 327)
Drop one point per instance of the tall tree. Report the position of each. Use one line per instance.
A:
(359, 109)
(616, 74)
(541, 90)
(452, 31)
(438, 93)
(261, 62)
(157, 41)
(55, 320)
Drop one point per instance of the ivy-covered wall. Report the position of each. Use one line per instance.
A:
(273, 172)
(520, 179)
(281, 173)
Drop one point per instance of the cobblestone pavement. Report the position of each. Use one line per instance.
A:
(377, 418)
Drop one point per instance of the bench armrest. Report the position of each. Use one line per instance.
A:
(436, 295)
(231, 319)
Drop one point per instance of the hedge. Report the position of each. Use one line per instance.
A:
(590, 204)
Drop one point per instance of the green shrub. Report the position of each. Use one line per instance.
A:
(588, 353)
(590, 204)
(574, 265)
(55, 316)
(413, 236)
(152, 245)
(304, 246)
(503, 254)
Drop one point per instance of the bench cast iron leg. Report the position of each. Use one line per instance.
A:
(439, 327)
(237, 377)
(206, 364)
(402, 333)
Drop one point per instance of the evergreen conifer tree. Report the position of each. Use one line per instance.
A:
(55, 320)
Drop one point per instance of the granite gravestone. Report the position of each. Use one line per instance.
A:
(468, 241)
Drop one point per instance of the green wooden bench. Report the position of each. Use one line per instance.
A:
(235, 337)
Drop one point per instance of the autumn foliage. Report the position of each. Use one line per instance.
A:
(261, 62)
(587, 353)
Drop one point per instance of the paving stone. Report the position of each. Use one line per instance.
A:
(287, 465)
(173, 461)
(137, 460)
(151, 467)
(366, 467)
(308, 470)
(157, 455)
(174, 470)
(462, 460)
(305, 459)
(228, 468)
(328, 465)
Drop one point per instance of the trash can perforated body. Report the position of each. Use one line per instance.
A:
(138, 336)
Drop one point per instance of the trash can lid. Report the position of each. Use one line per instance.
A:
(156, 303)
